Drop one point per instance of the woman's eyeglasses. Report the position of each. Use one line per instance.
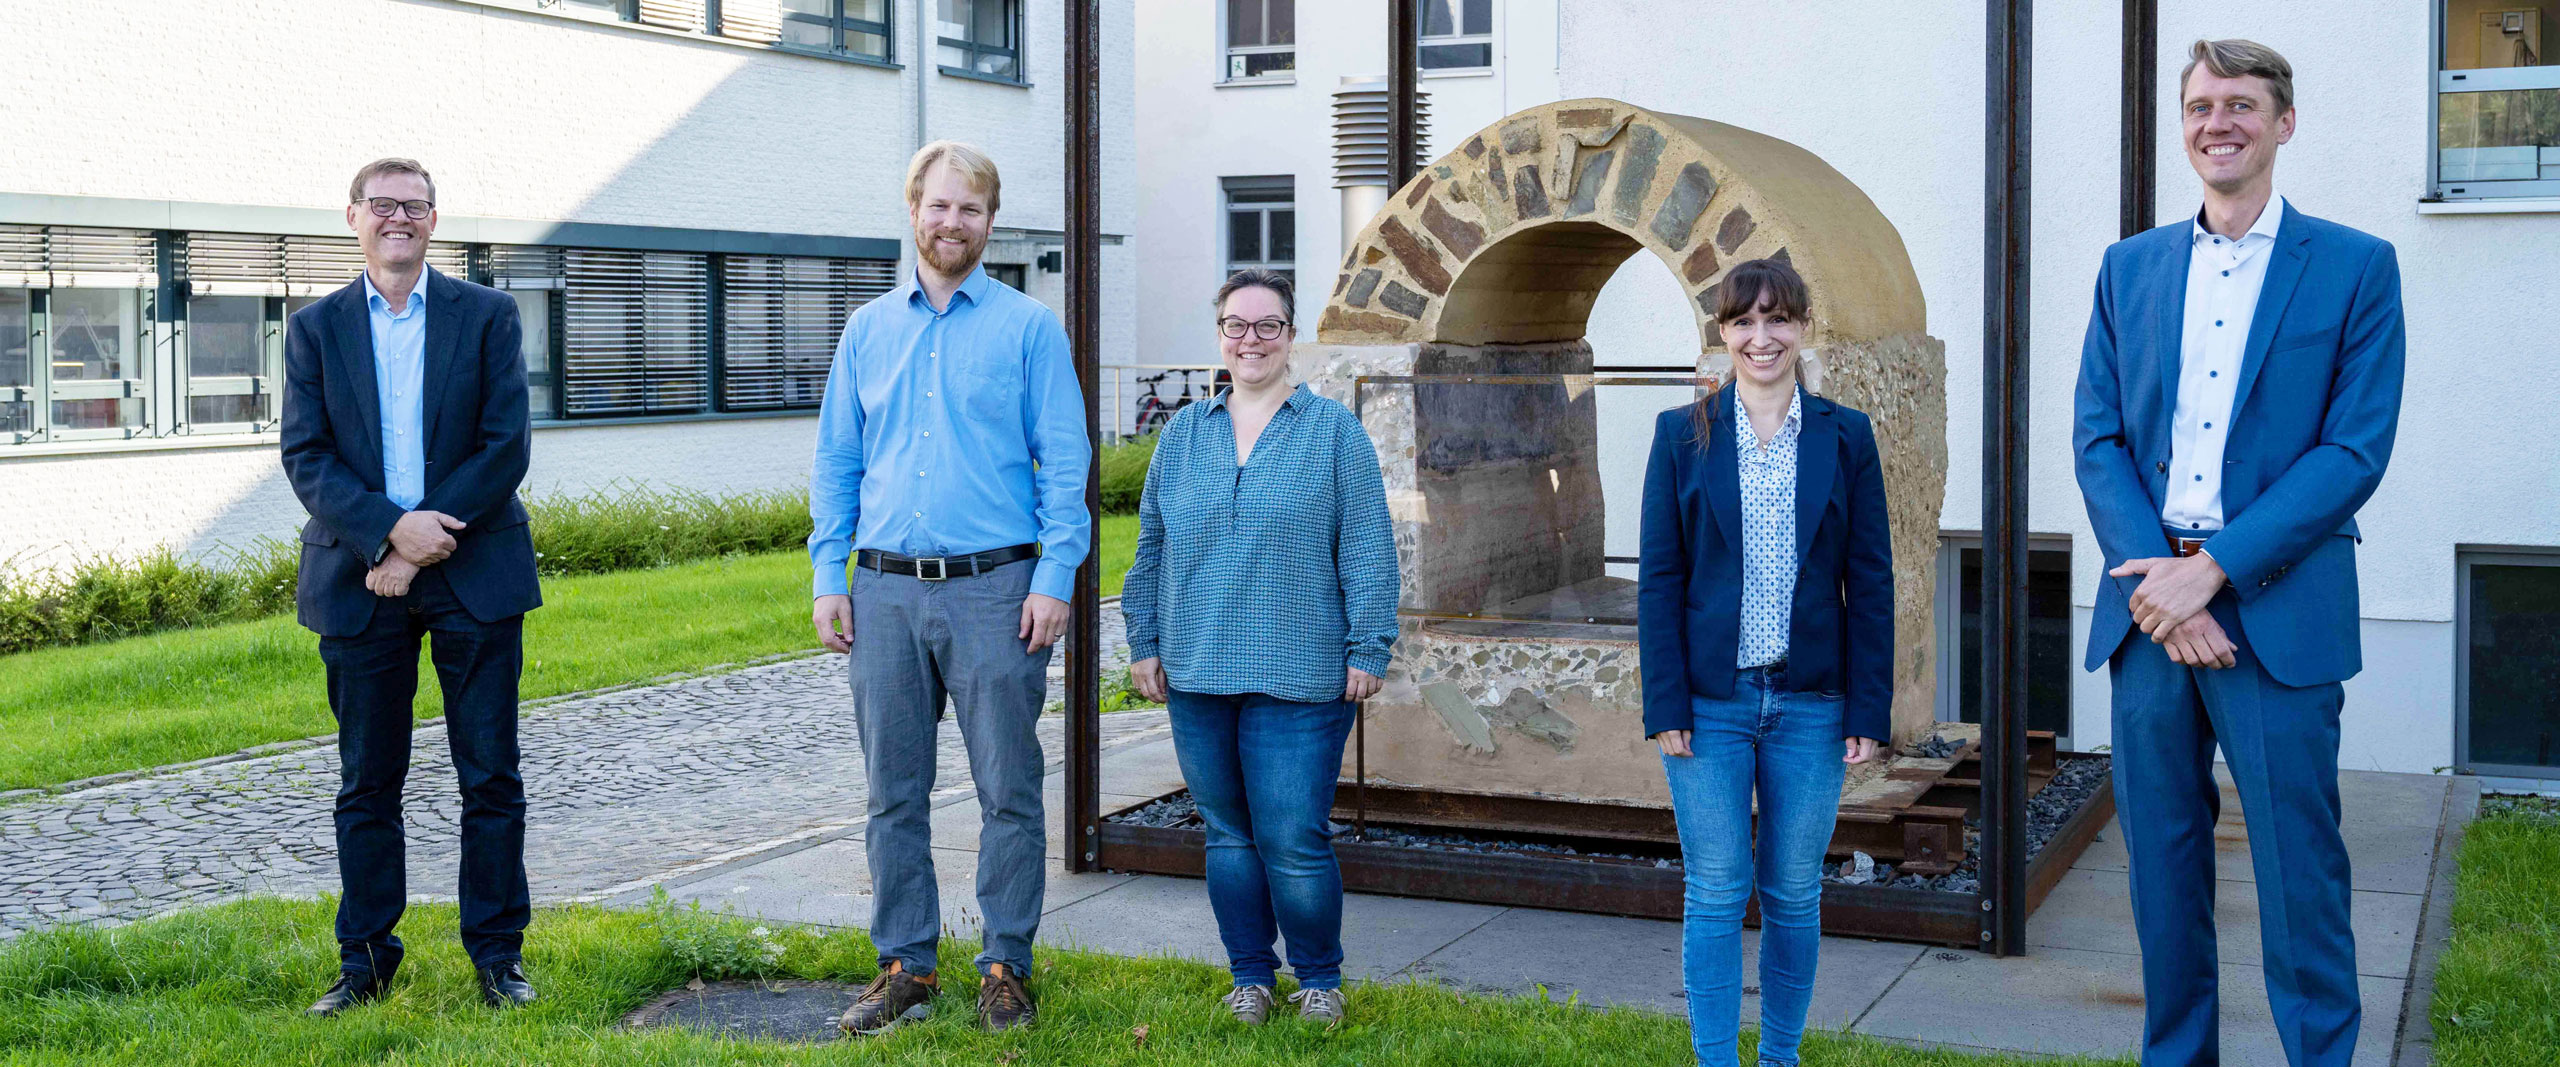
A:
(384, 206)
(1267, 329)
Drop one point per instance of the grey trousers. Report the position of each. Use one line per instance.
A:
(916, 645)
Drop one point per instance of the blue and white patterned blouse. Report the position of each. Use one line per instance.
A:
(1768, 533)
(1269, 577)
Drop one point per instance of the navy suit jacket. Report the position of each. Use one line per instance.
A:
(477, 430)
(2312, 421)
(1689, 571)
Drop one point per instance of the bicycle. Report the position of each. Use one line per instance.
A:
(1154, 411)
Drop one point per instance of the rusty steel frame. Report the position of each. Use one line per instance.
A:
(1994, 919)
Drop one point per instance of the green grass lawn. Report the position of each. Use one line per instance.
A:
(226, 985)
(71, 713)
(2497, 1000)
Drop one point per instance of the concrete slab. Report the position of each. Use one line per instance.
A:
(2072, 1001)
(2092, 910)
(1158, 916)
(2384, 854)
(1514, 954)
(830, 885)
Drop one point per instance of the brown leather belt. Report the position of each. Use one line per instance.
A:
(2185, 546)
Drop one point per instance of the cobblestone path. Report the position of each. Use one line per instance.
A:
(621, 788)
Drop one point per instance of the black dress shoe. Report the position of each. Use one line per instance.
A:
(353, 988)
(504, 985)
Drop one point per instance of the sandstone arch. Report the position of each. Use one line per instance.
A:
(1490, 261)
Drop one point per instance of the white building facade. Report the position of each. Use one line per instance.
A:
(687, 197)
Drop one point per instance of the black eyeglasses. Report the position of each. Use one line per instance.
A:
(1267, 329)
(384, 206)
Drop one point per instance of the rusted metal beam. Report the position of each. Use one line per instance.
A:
(2009, 54)
(1084, 339)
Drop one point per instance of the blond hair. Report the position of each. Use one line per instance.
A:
(394, 165)
(973, 165)
(2236, 58)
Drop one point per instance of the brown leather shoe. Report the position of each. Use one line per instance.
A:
(1002, 1002)
(892, 998)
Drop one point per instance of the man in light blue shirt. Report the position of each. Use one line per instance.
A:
(951, 463)
(399, 372)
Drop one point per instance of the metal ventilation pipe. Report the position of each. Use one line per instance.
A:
(1361, 152)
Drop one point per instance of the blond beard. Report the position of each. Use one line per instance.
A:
(965, 261)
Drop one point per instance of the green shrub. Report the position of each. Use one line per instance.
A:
(622, 528)
(1124, 473)
(712, 946)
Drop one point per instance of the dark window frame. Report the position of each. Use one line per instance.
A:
(1458, 37)
(1256, 192)
(2048, 554)
(2481, 82)
(2467, 557)
(840, 27)
(1229, 50)
(974, 49)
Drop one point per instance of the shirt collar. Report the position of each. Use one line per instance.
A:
(974, 286)
(1795, 412)
(373, 297)
(2269, 220)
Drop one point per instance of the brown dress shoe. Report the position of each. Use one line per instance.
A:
(1002, 1002)
(892, 998)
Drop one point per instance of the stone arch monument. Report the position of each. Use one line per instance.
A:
(1488, 263)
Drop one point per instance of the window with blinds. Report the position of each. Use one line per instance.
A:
(251, 264)
(781, 316)
(638, 333)
(73, 257)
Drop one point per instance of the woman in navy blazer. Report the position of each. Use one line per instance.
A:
(1765, 623)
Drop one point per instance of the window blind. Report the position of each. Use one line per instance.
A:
(638, 338)
(781, 318)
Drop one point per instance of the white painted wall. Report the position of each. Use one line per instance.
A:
(519, 114)
(1895, 103)
(1192, 131)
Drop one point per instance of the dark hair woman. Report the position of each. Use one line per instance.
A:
(1765, 623)
(1261, 608)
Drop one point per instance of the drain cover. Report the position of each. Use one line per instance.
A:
(787, 1010)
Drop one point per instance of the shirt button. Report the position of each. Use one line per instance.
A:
(919, 474)
(2213, 374)
(2208, 425)
(928, 392)
(2226, 274)
(919, 514)
(928, 433)
(2217, 322)
(2199, 477)
(933, 355)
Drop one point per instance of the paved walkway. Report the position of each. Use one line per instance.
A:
(623, 788)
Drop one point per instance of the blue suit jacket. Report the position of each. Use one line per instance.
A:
(1689, 574)
(2318, 402)
(477, 430)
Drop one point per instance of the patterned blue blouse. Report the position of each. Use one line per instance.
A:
(1768, 487)
(1269, 577)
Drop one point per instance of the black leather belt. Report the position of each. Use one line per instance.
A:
(941, 568)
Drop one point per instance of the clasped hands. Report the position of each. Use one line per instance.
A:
(2169, 606)
(421, 539)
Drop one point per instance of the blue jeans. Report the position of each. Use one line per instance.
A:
(1787, 747)
(1262, 770)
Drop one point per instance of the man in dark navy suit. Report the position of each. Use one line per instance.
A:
(2239, 390)
(405, 436)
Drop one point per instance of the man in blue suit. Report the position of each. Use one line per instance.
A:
(2239, 389)
(405, 436)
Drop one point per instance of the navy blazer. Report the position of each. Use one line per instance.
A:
(477, 429)
(2312, 422)
(1689, 571)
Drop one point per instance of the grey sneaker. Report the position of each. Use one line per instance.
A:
(1320, 1006)
(892, 998)
(1250, 1004)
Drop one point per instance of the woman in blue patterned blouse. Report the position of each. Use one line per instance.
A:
(1261, 609)
(1765, 621)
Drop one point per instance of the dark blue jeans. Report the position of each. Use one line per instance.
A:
(1785, 747)
(1262, 770)
(373, 676)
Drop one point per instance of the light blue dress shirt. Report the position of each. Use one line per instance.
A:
(399, 378)
(1272, 576)
(952, 432)
(1768, 484)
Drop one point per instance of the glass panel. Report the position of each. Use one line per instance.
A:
(867, 10)
(1257, 64)
(242, 407)
(96, 414)
(994, 65)
(953, 56)
(2048, 639)
(951, 19)
(994, 23)
(17, 362)
(601, 7)
(1244, 23)
(1284, 236)
(1456, 56)
(1435, 18)
(93, 334)
(809, 24)
(2505, 135)
(1479, 16)
(1244, 236)
(1280, 22)
(534, 307)
(2490, 34)
(224, 335)
(2514, 705)
(867, 44)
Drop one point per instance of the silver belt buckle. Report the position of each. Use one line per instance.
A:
(941, 569)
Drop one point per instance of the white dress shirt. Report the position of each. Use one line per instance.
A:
(2223, 280)
(1768, 488)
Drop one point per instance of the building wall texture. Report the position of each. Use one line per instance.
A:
(520, 113)
(1895, 104)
